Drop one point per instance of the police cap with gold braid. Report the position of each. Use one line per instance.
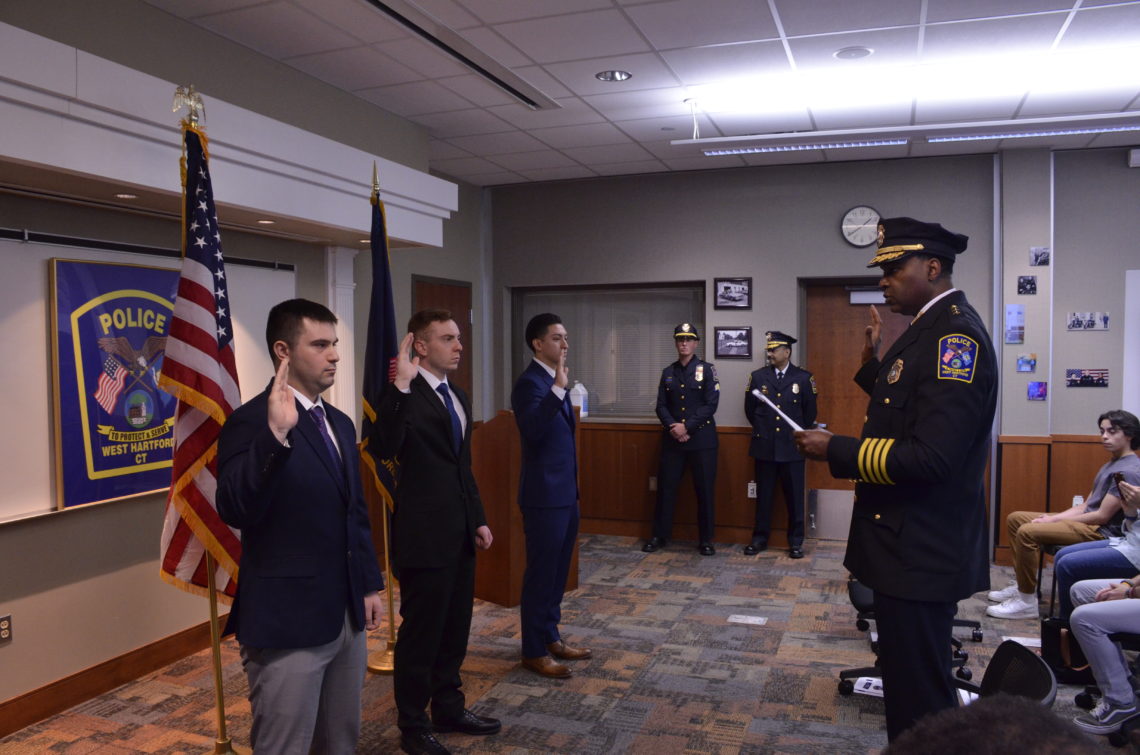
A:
(776, 338)
(901, 237)
(686, 330)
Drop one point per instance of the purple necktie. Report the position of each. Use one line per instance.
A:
(456, 428)
(318, 415)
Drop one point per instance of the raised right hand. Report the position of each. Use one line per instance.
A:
(282, 408)
(872, 336)
(562, 373)
(407, 366)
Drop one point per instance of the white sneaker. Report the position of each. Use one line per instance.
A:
(1016, 607)
(1004, 594)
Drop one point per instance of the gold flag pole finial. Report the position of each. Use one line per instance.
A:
(188, 97)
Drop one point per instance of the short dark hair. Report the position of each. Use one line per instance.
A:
(538, 326)
(284, 322)
(1125, 422)
(420, 321)
(947, 262)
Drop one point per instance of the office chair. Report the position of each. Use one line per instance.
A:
(1016, 670)
(863, 599)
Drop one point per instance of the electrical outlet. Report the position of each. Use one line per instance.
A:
(652, 483)
(751, 489)
(6, 628)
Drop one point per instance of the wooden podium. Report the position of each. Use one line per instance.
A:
(496, 458)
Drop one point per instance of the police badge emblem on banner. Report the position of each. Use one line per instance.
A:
(116, 427)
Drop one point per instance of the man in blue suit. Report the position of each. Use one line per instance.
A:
(548, 495)
(288, 478)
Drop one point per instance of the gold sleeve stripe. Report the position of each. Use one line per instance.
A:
(872, 460)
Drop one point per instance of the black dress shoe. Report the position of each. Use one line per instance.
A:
(654, 544)
(469, 723)
(754, 547)
(421, 743)
(795, 552)
(706, 549)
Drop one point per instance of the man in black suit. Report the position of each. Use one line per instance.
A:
(918, 528)
(438, 522)
(288, 478)
(548, 494)
(792, 389)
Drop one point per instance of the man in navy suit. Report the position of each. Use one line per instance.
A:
(548, 495)
(288, 478)
(438, 522)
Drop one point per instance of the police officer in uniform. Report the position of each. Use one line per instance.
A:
(687, 398)
(918, 527)
(793, 390)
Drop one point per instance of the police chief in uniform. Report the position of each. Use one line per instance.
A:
(918, 527)
(793, 390)
(687, 398)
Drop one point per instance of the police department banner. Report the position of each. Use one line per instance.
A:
(114, 432)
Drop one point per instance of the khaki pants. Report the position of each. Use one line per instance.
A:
(1026, 538)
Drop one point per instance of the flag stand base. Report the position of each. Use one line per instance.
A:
(383, 661)
(224, 747)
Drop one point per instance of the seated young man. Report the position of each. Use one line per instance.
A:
(1099, 517)
(1106, 606)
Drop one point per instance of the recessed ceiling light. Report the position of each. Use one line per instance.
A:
(124, 195)
(853, 53)
(365, 241)
(266, 222)
(612, 75)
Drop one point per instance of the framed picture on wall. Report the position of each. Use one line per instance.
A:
(734, 342)
(732, 293)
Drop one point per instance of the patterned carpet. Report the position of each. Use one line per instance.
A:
(670, 673)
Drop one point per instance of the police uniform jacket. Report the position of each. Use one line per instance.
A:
(918, 528)
(771, 437)
(689, 394)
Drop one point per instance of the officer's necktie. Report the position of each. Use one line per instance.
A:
(318, 415)
(456, 428)
(779, 377)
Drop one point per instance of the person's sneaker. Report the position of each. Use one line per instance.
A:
(1004, 594)
(1016, 607)
(1106, 717)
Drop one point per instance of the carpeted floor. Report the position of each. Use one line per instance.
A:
(670, 673)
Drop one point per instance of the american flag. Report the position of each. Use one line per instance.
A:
(379, 356)
(111, 381)
(200, 371)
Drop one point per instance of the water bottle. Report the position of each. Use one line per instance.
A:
(1078, 500)
(580, 398)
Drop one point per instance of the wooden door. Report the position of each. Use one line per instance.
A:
(834, 342)
(455, 296)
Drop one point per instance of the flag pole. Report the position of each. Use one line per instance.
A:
(222, 746)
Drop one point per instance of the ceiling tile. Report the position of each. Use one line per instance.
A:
(537, 77)
(199, 8)
(628, 169)
(491, 44)
(361, 20)
(673, 127)
(702, 65)
(477, 89)
(647, 69)
(609, 153)
(956, 10)
(447, 12)
(897, 46)
(441, 150)
(461, 123)
(575, 37)
(688, 23)
(799, 17)
(881, 114)
(498, 11)
(462, 166)
(558, 174)
(354, 68)
(587, 135)
(426, 58)
(498, 144)
(1099, 27)
(979, 108)
(546, 158)
(572, 112)
(415, 98)
(1088, 101)
(495, 179)
(1002, 36)
(741, 124)
(649, 103)
(278, 29)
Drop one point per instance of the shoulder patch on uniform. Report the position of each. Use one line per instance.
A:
(957, 357)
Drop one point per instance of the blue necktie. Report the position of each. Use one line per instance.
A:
(456, 428)
(318, 415)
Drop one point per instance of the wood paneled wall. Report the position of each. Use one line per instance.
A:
(1042, 474)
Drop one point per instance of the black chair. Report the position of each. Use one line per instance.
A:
(1052, 551)
(863, 599)
(1016, 670)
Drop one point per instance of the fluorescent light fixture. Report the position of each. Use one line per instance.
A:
(804, 147)
(125, 195)
(1030, 134)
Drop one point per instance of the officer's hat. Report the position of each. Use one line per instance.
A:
(776, 339)
(901, 237)
(686, 330)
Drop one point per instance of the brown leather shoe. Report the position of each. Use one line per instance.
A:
(547, 666)
(561, 650)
